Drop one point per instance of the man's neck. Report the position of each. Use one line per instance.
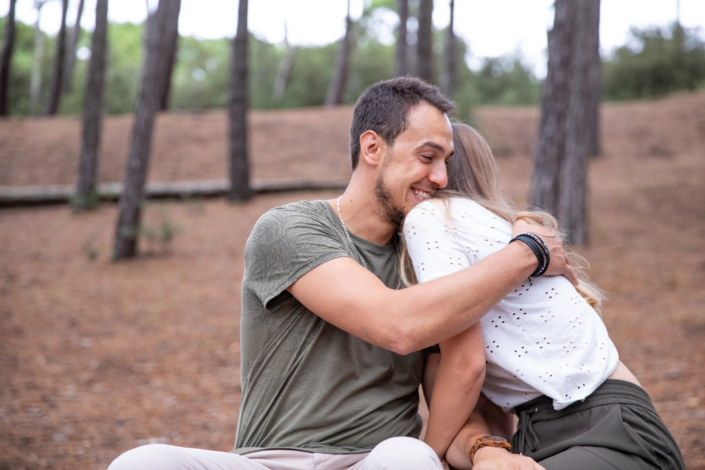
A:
(360, 212)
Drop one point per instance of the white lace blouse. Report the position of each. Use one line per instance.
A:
(543, 338)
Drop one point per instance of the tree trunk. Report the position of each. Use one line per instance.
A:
(572, 208)
(8, 46)
(86, 190)
(58, 70)
(70, 63)
(340, 77)
(173, 45)
(424, 44)
(401, 64)
(237, 107)
(559, 183)
(35, 86)
(154, 67)
(555, 97)
(450, 63)
(592, 17)
(284, 68)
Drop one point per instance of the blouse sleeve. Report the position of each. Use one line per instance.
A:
(434, 242)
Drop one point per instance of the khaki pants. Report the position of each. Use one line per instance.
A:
(398, 453)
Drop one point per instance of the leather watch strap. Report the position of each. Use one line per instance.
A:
(489, 441)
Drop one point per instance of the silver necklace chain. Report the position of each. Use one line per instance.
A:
(347, 234)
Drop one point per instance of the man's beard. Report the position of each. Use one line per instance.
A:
(386, 210)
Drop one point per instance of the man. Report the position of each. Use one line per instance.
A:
(333, 351)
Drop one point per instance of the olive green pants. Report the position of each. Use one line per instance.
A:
(616, 427)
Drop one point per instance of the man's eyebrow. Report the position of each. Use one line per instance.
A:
(434, 145)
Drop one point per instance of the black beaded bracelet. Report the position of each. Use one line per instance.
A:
(539, 248)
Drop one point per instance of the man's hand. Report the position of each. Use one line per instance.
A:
(492, 458)
(559, 262)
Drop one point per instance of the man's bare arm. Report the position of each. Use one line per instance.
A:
(348, 296)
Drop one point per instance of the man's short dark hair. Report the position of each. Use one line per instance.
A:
(383, 108)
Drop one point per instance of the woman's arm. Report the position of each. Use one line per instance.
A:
(499, 422)
(457, 387)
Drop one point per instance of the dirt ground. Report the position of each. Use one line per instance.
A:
(97, 357)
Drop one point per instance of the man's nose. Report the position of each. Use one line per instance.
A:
(439, 174)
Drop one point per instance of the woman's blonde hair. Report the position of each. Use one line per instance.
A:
(473, 174)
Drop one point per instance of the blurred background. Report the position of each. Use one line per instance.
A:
(141, 140)
(501, 46)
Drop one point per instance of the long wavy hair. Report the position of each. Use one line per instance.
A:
(473, 174)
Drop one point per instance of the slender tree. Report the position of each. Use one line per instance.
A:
(592, 19)
(154, 67)
(572, 207)
(424, 44)
(86, 191)
(450, 62)
(70, 63)
(170, 52)
(58, 69)
(340, 77)
(401, 64)
(555, 96)
(284, 68)
(237, 107)
(8, 45)
(559, 182)
(35, 86)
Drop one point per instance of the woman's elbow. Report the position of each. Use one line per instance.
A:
(469, 373)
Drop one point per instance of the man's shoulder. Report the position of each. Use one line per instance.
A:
(292, 221)
(294, 209)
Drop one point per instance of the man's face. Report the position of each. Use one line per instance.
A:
(416, 166)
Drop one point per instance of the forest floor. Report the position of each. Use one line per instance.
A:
(98, 357)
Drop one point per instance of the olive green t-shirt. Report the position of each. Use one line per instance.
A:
(306, 384)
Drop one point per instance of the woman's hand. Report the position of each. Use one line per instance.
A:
(559, 262)
(489, 458)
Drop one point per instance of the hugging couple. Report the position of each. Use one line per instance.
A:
(421, 274)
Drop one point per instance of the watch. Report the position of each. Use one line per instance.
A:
(489, 441)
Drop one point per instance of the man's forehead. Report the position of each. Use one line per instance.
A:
(428, 122)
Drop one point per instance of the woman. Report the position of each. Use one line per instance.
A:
(542, 352)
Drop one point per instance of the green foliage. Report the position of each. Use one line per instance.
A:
(91, 202)
(309, 76)
(202, 69)
(89, 247)
(662, 61)
(21, 68)
(370, 62)
(123, 67)
(506, 80)
(200, 77)
(160, 238)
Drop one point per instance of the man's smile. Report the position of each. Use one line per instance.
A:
(421, 195)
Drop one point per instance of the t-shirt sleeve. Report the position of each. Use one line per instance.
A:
(284, 245)
(433, 241)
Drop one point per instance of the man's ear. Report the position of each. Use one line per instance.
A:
(373, 148)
